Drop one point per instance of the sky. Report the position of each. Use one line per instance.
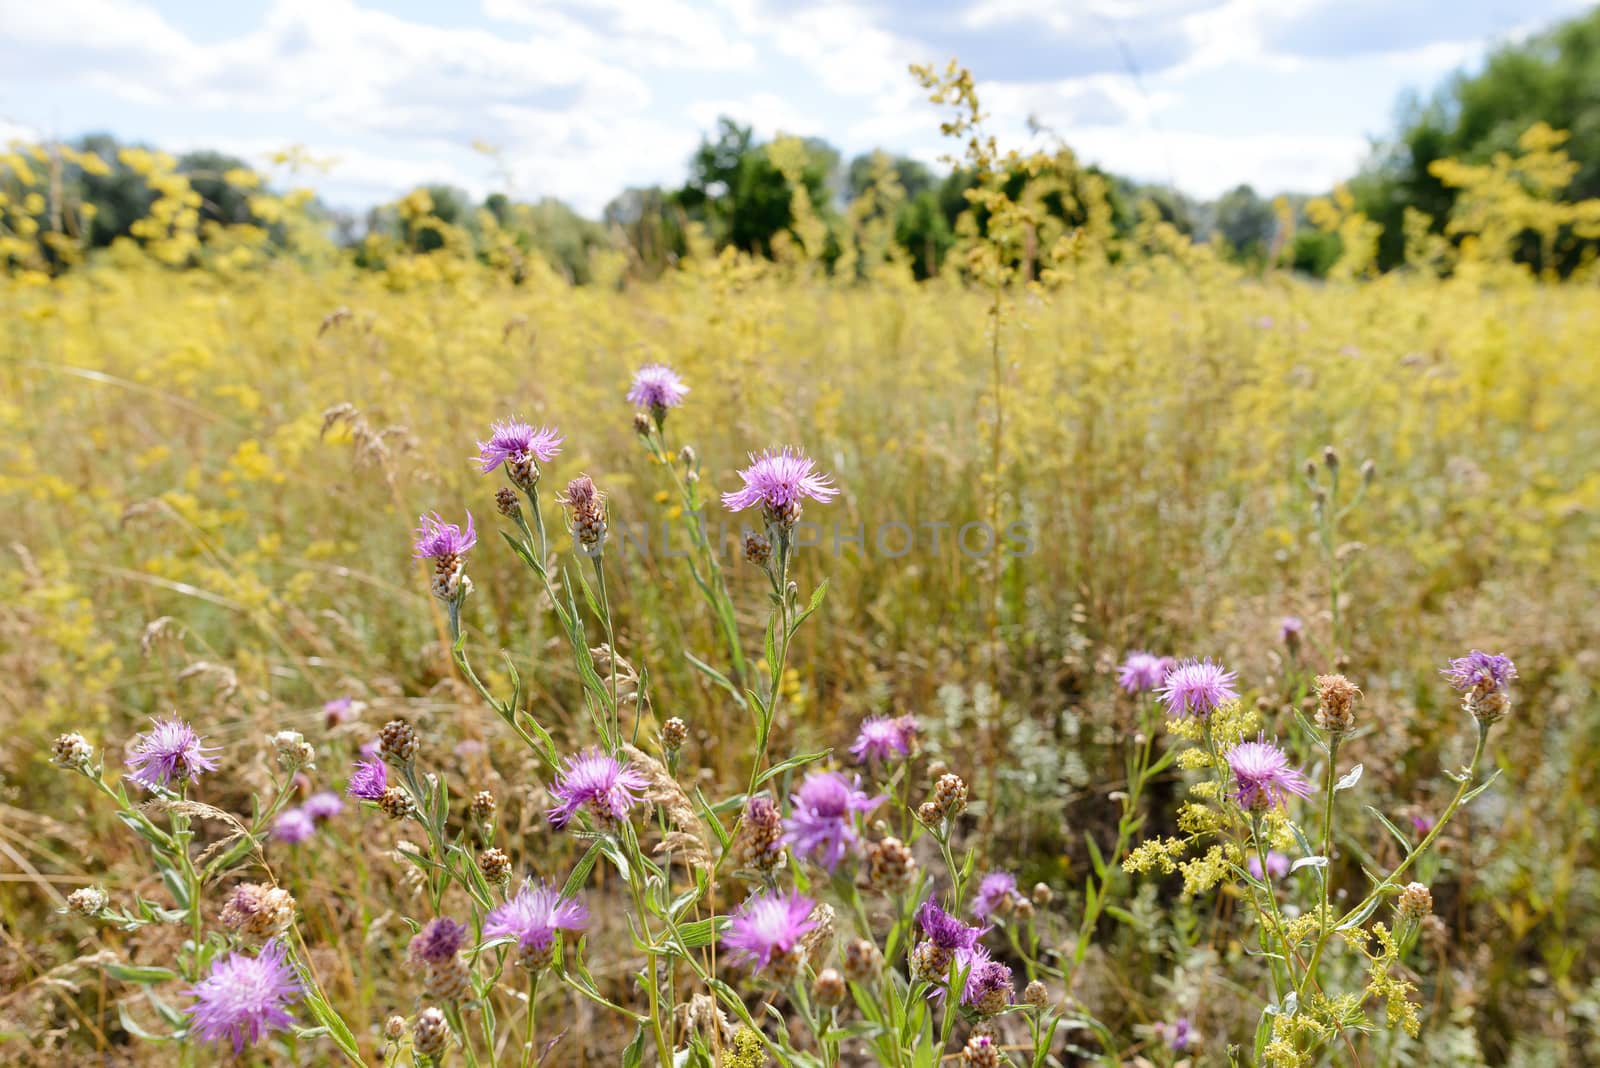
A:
(579, 100)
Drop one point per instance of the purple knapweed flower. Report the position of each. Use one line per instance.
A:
(440, 939)
(534, 915)
(1178, 1035)
(1480, 671)
(1277, 865)
(989, 982)
(323, 805)
(822, 823)
(1290, 629)
(1264, 775)
(995, 892)
(1142, 672)
(606, 785)
(1197, 688)
(293, 825)
(944, 930)
(170, 750)
(244, 998)
(882, 738)
(516, 442)
(767, 925)
(1421, 824)
(777, 480)
(339, 710)
(438, 540)
(369, 780)
(657, 386)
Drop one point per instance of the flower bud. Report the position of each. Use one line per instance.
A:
(828, 989)
(1036, 995)
(1042, 894)
(506, 503)
(397, 804)
(397, 743)
(88, 901)
(293, 751)
(1369, 471)
(890, 866)
(1336, 704)
(1330, 458)
(642, 424)
(674, 733)
(862, 960)
(72, 751)
(981, 1052)
(1415, 902)
(394, 1028)
(495, 866)
(430, 1033)
(757, 548)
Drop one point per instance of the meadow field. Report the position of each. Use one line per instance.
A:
(1043, 463)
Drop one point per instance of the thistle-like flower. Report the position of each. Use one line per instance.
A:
(440, 939)
(944, 937)
(323, 805)
(881, 738)
(1290, 631)
(1264, 775)
(822, 824)
(989, 988)
(1197, 688)
(532, 917)
(369, 780)
(1485, 682)
(1143, 672)
(609, 788)
(767, 925)
(169, 751)
(657, 387)
(586, 515)
(1277, 865)
(522, 448)
(244, 998)
(258, 911)
(997, 893)
(293, 825)
(446, 545)
(340, 710)
(777, 480)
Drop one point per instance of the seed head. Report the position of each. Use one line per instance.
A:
(642, 424)
(397, 743)
(88, 901)
(1336, 704)
(495, 866)
(73, 752)
(949, 800)
(430, 1033)
(1036, 995)
(586, 515)
(1330, 458)
(1369, 471)
(397, 804)
(674, 733)
(828, 989)
(1415, 902)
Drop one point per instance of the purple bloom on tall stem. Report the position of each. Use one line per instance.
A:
(1142, 672)
(170, 750)
(534, 915)
(516, 442)
(777, 480)
(1290, 629)
(882, 737)
(438, 540)
(1197, 688)
(995, 891)
(1277, 865)
(323, 805)
(822, 824)
(944, 930)
(440, 939)
(988, 980)
(1264, 775)
(293, 825)
(369, 780)
(244, 998)
(339, 710)
(657, 386)
(609, 787)
(1480, 671)
(766, 925)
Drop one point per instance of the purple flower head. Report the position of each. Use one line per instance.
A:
(1481, 672)
(882, 738)
(339, 710)
(1421, 824)
(369, 750)
(369, 780)
(996, 889)
(170, 750)
(244, 998)
(1142, 672)
(1179, 1034)
(534, 916)
(766, 925)
(1290, 629)
(822, 825)
(438, 540)
(608, 786)
(517, 442)
(985, 977)
(1277, 865)
(1264, 775)
(777, 480)
(657, 386)
(323, 805)
(1197, 688)
(944, 930)
(293, 825)
(440, 939)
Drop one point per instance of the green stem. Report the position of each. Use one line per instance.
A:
(1327, 868)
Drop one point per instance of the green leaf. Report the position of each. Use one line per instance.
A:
(1095, 858)
(787, 765)
(633, 1056)
(137, 973)
(713, 674)
(700, 932)
(1481, 787)
(132, 1027)
(1349, 779)
(581, 870)
(338, 1030)
(816, 602)
(1399, 835)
